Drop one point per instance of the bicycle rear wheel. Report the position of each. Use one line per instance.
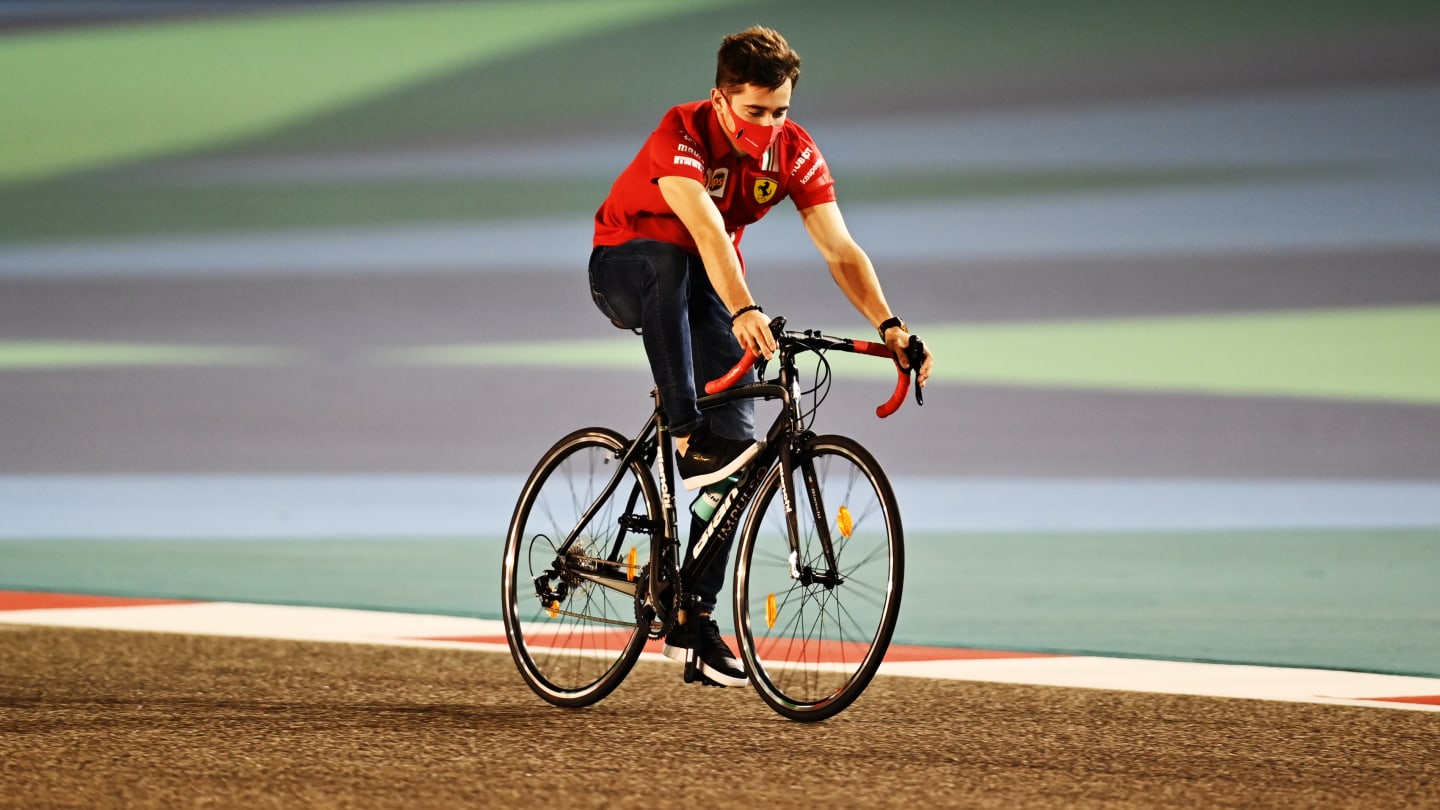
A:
(571, 618)
(813, 635)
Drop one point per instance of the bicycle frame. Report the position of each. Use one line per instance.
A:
(654, 443)
(810, 641)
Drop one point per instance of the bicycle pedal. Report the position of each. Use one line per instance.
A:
(692, 668)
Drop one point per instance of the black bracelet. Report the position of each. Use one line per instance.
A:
(890, 323)
(743, 310)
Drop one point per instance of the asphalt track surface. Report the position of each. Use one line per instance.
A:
(337, 414)
(93, 718)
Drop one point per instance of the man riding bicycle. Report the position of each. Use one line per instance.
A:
(666, 261)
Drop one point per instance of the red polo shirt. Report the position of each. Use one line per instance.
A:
(689, 142)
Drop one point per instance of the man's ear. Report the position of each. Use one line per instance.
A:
(721, 107)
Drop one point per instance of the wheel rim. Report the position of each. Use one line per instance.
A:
(582, 641)
(812, 645)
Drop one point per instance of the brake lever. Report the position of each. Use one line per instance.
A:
(915, 354)
(777, 328)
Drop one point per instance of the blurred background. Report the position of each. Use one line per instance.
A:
(292, 296)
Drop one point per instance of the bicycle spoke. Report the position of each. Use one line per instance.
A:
(814, 638)
(576, 643)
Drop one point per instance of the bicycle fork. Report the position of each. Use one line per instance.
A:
(807, 575)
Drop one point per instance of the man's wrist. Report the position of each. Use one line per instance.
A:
(743, 310)
(888, 324)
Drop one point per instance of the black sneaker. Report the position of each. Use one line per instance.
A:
(711, 458)
(713, 660)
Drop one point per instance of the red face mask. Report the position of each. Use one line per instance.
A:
(754, 139)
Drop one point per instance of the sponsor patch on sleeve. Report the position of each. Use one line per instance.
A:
(715, 181)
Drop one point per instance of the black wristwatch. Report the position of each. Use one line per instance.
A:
(890, 323)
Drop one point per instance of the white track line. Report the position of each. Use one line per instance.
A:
(407, 629)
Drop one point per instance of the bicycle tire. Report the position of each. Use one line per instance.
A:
(812, 649)
(574, 647)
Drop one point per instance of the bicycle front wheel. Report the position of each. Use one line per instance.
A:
(813, 626)
(570, 613)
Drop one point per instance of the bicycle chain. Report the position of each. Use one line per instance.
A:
(602, 620)
(597, 562)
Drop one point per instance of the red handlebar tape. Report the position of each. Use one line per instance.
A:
(902, 385)
(733, 375)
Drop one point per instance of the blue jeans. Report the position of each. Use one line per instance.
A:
(663, 291)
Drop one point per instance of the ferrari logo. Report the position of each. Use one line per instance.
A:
(765, 188)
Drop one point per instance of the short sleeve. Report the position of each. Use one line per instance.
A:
(810, 181)
(675, 152)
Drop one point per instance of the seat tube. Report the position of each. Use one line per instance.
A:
(664, 453)
(664, 546)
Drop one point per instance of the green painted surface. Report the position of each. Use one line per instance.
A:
(1382, 354)
(133, 205)
(1360, 600)
(38, 355)
(618, 353)
(83, 98)
(89, 209)
(417, 76)
(421, 575)
(856, 52)
(1357, 599)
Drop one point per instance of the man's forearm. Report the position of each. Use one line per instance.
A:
(856, 277)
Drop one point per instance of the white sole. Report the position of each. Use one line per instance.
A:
(720, 677)
(698, 481)
(679, 653)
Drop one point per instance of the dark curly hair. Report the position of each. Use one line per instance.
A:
(758, 56)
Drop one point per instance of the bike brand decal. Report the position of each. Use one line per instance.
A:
(729, 518)
(765, 189)
(666, 503)
(715, 181)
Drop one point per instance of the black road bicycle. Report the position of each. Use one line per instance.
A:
(593, 567)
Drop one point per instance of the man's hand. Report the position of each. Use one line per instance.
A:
(897, 339)
(752, 329)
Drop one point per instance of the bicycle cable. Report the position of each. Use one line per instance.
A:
(819, 391)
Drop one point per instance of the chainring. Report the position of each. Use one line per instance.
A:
(659, 618)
